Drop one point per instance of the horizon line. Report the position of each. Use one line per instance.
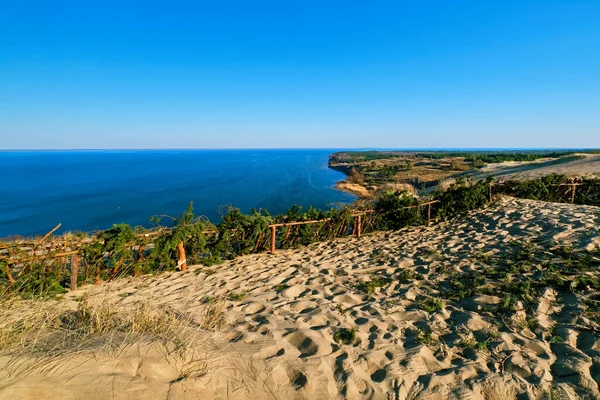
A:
(301, 148)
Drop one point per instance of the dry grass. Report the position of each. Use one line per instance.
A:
(38, 333)
(213, 317)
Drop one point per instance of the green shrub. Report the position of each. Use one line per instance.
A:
(393, 213)
(186, 229)
(344, 336)
(462, 197)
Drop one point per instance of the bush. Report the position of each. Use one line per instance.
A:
(186, 229)
(462, 197)
(393, 213)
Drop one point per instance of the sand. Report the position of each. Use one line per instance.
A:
(283, 311)
(353, 188)
(576, 166)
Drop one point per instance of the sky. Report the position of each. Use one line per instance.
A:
(299, 74)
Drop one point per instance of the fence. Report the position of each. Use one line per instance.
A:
(357, 228)
(553, 188)
(65, 257)
(69, 260)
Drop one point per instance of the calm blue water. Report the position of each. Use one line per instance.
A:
(89, 190)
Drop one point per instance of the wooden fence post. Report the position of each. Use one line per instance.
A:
(9, 276)
(182, 263)
(273, 238)
(428, 213)
(74, 271)
(97, 279)
(573, 187)
(490, 192)
(359, 225)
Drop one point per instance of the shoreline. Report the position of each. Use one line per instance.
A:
(344, 185)
(353, 188)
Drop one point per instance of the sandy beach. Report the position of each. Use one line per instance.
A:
(307, 323)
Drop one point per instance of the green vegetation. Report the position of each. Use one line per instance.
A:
(393, 212)
(281, 287)
(473, 344)
(553, 188)
(408, 275)
(236, 296)
(371, 286)
(340, 309)
(344, 336)
(484, 156)
(462, 197)
(497, 157)
(123, 251)
(425, 337)
(432, 305)
(186, 229)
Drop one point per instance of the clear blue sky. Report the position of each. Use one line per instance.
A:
(220, 74)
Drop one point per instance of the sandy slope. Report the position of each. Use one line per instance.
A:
(587, 165)
(279, 339)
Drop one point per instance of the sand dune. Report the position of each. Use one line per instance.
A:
(285, 311)
(579, 165)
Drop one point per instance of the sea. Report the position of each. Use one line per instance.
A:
(91, 190)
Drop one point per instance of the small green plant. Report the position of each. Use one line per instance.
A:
(493, 335)
(556, 339)
(369, 287)
(236, 296)
(482, 256)
(508, 305)
(585, 282)
(408, 275)
(472, 343)
(380, 256)
(281, 287)
(432, 305)
(424, 337)
(344, 336)
(525, 251)
(340, 309)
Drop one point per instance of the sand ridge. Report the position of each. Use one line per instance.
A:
(283, 312)
(576, 165)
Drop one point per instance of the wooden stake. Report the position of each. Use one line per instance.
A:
(140, 255)
(182, 261)
(428, 213)
(87, 270)
(74, 271)
(287, 234)
(97, 280)
(257, 242)
(9, 276)
(273, 237)
(116, 269)
(573, 187)
(358, 226)
(49, 233)
(490, 192)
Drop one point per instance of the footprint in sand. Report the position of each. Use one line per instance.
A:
(295, 291)
(305, 345)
